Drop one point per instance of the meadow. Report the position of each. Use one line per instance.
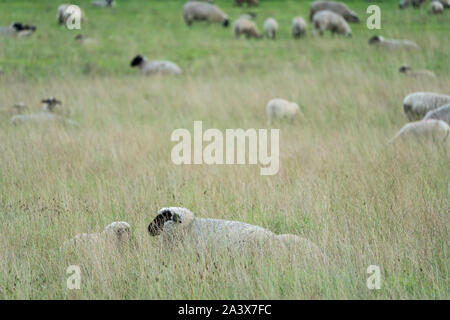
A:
(363, 202)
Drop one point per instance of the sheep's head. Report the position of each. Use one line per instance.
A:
(375, 39)
(137, 61)
(226, 22)
(119, 230)
(17, 26)
(168, 218)
(404, 68)
(352, 17)
(50, 104)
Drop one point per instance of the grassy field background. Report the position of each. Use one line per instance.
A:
(339, 185)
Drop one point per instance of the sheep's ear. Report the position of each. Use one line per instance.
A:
(176, 218)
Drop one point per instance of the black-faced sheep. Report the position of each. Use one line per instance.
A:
(280, 108)
(408, 71)
(298, 27)
(379, 41)
(17, 29)
(417, 104)
(424, 131)
(48, 114)
(155, 67)
(328, 20)
(441, 113)
(244, 25)
(436, 7)
(271, 28)
(336, 7)
(84, 40)
(202, 11)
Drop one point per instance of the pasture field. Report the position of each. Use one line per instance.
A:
(363, 202)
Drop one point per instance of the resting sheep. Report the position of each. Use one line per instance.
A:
(416, 105)
(104, 3)
(178, 225)
(202, 11)
(336, 7)
(441, 113)
(380, 41)
(416, 73)
(270, 28)
(424, 131)
(248, 2)
(436, 7)
(415, 3)
(155, 66)
(280, 108)
(328, 20)
(244, 25)
(298, 27)
(17, 29)
(66, 11)
(84, 40)
(115, 235)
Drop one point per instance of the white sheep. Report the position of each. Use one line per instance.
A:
(445, 3)
(408, 71)
(244, 25)
(270, 28)
(298, 27)
(17, 29)
(104, 3)
(84, 40)
(202, 11)
(406, 3)
(424, 131)
(65, 12)
(336, 7)
(177, 225)
(417, 104)
(115, 235)
(280, 108)
(155, 67)
(328, 20)
(380, 41)
(436, 7)
(441, 113)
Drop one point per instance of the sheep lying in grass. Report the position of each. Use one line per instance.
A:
(441, 113)
(244, 25)
(298, 27)
(154, 67)
(65, 12)
(336, 7)
(406, 70)
(415, 3)
(115, 235)
(380, 41)
(417, 104)
(328, 20)
(104, 3)
(17, 29)
(424, 131)
(248, 2)
(280, 108)
(84, 40)
(270, 28)
(436, 7)
(178, 225)
(202, 11)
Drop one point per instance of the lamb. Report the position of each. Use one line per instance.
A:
(248, 2)
(84, 40)
(47, 114)
(244, 25)
(155, 67)
(202, 11)
(380, 41)
(415, 3)
(424, 131)
(336, 7)
(178, 225)
(270, 28)
(298, 27)
(115, 235)
(17, 29)
(417, 104)
(328, 20)
(441, 113)
(104, 3)
(65, 12)
(406, 70)
(280, 108)
(436, 7)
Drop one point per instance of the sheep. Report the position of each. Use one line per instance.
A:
(155, 67)
(328, 20)
(19, 107)
(380, 41)
(424, 131)
(441, 113)
(17, 29)
(244, 25)
(336, 7)
(436, 7)
(64, 13)
(270, 28)
(201, 11)
(445, 3)
(84, 40)
(115, 235)
(406, 70)
(280, 108)
(417, 104)
(248, 2)
(298, 27)
(415, 3)
(104, 3)
(179, 225)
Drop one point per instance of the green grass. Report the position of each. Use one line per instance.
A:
(339, 184)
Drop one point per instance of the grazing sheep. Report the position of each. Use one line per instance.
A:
(406, 70)
(244, 25)
(17, 29)
(417, 104)
(424, 131)
(336, 7)
(64, 14)
(248, 2)
(84, 40)
(436, 7)
(441, 113)
(298, 27)
(445, 3)
(280, 108)
(270, 28)
(415, 3)
(115, 234)
(154, 67)
(104, 3)
(328, 20)
(380, 41)
(202, 11)
(177, 225)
